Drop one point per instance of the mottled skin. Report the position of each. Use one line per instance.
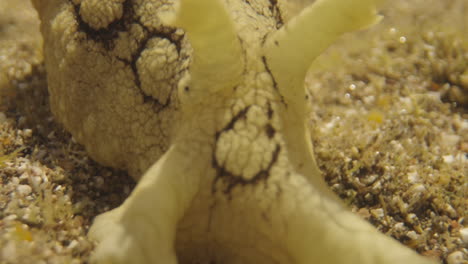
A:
(112, 74)
(238, 183)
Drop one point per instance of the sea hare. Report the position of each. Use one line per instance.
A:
(214, 89)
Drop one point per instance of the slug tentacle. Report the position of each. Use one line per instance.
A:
(217, 57)
(291, 50)
(289, 53)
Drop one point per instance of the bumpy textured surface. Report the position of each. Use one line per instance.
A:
(239, 183)
(113, 68)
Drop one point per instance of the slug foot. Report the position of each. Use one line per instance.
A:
(119, 243)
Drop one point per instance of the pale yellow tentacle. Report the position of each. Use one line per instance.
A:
(291, 49)
(289, 53)
(217, 57)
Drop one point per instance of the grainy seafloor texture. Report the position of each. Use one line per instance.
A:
(389, 123)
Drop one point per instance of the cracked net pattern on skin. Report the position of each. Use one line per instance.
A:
(121, 67)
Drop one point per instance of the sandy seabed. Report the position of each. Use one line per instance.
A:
(389, 124)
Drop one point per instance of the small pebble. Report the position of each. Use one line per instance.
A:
(418, 188)
(36, 181)
(413, 177)
(15, 180)
(99, 181)
(364, 213)
(24, 189)
(450, 210)
(464, 235)
(399, 226)
(450, 140)
(411, 218)
(3, 117)
(412, 235)
(10, 218)
(23, 167)
(22, 121)
(455, 257)
(448, 159)
(27, 133)
(378, 213)
(72, 244)
(51, 135)
(24, 176)
(37, 171)
(464, 79)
